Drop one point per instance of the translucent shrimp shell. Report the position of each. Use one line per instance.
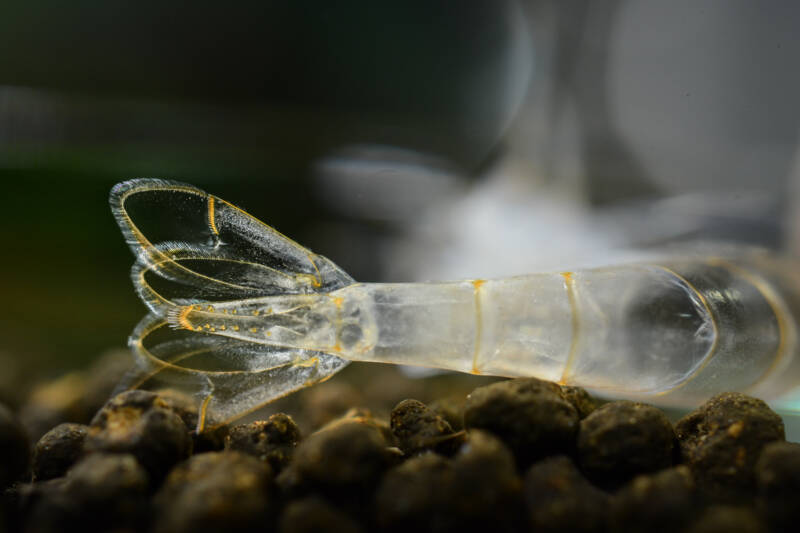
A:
(241, 315)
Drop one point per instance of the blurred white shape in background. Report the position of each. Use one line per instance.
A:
(384, 183)
(645, 123)
(508, 223)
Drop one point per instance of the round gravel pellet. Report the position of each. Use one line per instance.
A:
(344, 463)
(140, 423)
(725, 519)
(778, 484)
(485, 479)
(417, 428)
(431, 493)
(313, 514)
(101, 492)
(580, 400)
(529, 415)
(558, 498)
(413, 495)
(588, 466)
(722, 440)
(623, 439)
(655, 503)
(58, 450)
(272, 440)
(216, 491)
(109, 486)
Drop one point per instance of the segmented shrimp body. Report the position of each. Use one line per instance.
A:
(241, 315)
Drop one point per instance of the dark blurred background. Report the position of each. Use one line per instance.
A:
(342, 124)
(239, 99)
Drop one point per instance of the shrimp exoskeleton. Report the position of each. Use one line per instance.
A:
(241, 315)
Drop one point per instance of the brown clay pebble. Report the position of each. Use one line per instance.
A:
(451, 408)
(620, 440)
(314, 514)
(559, 498)
(433, 493)
(529, 415)
(660, 502)
(721, 441)
(417, 428)
(109, 486)
(38, 506)
(778, 485)
(58, 450)
(272, 440)
(14, 448)
(580, 400)
(216, 491)
(101, 492)
(484, 480)
(140, 423)
(412, 496)
(724, 519)
(344, 463)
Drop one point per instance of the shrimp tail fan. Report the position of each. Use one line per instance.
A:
(193, 248)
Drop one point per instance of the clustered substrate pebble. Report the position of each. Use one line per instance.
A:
(516, 455)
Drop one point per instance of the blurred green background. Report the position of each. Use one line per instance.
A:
(238, 99)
